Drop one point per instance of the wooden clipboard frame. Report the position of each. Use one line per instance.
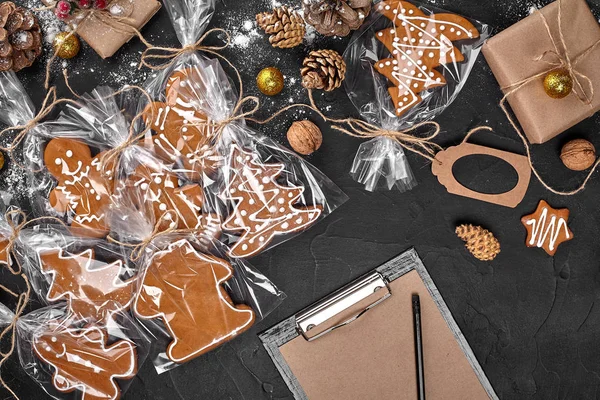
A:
(278, 335)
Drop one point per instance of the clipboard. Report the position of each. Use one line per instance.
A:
(358, 342)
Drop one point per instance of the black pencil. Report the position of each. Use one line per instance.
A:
(416, 304)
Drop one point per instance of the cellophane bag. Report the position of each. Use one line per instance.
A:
(405, 65)
(191, 295)
(6, 316)
(16, 107)
(263, 192)
(75, 359)
(65, 159)
(93, 277)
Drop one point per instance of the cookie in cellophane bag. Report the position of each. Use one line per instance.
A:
(86, 360)
(68, 170)
(93, 277)
(405, 66)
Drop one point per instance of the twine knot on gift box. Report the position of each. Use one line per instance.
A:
(558, 57)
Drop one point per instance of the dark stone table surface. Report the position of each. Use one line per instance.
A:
(531, 319)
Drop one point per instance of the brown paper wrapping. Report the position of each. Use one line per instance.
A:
(511, 55)
(106, 40)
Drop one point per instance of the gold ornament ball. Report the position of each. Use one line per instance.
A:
(66, 45)
(270, 81)
(558, 83)
(1, 160)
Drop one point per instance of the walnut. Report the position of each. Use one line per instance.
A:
(304, 137)
(578, 155)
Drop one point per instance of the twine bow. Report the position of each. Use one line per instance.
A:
(169, 54)
(562, 59)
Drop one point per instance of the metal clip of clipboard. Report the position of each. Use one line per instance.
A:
(340, 300)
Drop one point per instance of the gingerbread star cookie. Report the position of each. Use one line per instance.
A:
(184, 288)
(92, 288)
(182, 134)
(82, 360)
(418, 44)
(547, 227)
(82, 189)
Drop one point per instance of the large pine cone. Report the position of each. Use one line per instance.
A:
(20, 37)
(336, 17)
(480, 242)
(285, 26)
(323, 69)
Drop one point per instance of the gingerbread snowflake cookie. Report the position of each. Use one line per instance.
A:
(93, 289)
(185, 289)
(83, 190)
(262, 207)
(83, 360)
(182, 134)
(547, 227)
(418, 43)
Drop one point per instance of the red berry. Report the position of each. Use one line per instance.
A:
(61, 15)
(85, 3)
(63, 7)
(100, 4)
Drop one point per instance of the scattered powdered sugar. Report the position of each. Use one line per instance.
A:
(243, 36)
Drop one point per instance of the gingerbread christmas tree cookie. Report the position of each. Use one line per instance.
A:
(82, 190)
(418, 43)
(263, 208)
(92, 288)
(547, 227)
(184, 288)
(83, 361)
(182, 133)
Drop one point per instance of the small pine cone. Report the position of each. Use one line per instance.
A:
(480, 242)
(285, 26)
(20, 37)
(323, 69)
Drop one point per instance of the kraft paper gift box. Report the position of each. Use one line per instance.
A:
(106, 36)
(513, 57)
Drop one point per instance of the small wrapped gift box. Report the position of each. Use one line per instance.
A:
(532, 47)
(108, 33)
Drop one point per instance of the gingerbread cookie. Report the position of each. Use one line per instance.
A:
(547, 227)
(83, 361)
(184, 289)
(262, 208)
(158, 192)
(418, 43)
(5, 258)
(82, 189)
(93, 289)
(180, 135)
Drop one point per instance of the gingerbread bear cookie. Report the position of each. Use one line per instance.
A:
(184, 289)
(418, 43)
(157, 191)
(262, 208)
(181, 132)
(83, 361)
(83, 190)
(547, 227)
(92, 288)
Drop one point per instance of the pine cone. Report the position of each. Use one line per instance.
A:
(336, 17)
(480, 242)
(285, 26)
(323, 69)
(20, 37)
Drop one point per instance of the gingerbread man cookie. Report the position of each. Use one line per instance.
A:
(180, 135)
(83, 361)
(157, 191)
(262, 208)
(184, 289)
(5, 258)
(418, 43)
(82, 190)
(547, 227)
(93, 289)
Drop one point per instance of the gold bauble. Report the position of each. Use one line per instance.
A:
(558, 83)
(270, 81)
(66, 45)
(1, 160)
